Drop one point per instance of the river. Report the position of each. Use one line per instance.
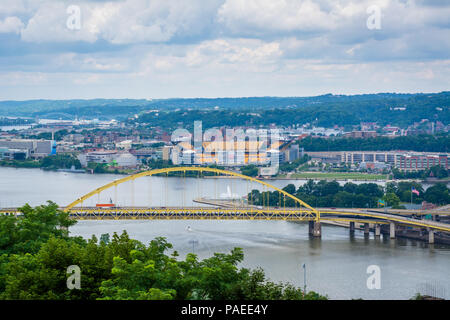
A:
(336, 264)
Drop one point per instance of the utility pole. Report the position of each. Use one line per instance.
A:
(194, 242)
(304, 280)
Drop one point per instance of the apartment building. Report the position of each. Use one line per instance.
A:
(403, 160)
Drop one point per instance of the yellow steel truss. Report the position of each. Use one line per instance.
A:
(313, 212)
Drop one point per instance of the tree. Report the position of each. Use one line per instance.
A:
(437, 194)
(369, 189)
(37, 252)
(28, 232)
(250, 170)
(134, 281)
(330, 188)
(437, 172)
(391, 199)
(290, 188)
(308, 187)
(60, 161)
(350, 187)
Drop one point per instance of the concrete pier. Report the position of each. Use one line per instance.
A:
(430, 236)
(366, 229)
(310, 227)
(317, 232)
(377, 230)
(315, 229)
(392, 230)
(352, 227)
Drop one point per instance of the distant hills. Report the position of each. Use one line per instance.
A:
(33, 108)
(396, 109)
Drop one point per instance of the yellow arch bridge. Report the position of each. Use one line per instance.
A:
(220, 210)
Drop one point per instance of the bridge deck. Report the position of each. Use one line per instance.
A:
(243, 213)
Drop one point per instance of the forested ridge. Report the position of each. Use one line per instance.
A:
(420, 143)
(326, 110)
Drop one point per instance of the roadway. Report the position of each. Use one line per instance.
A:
(224, 211)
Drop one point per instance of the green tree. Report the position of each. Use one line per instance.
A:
(437, 194)
(26, 233)
(250, 170)
(391, 199)
(36, 252)
(290, 188)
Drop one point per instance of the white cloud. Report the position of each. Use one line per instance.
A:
(267, 16)
(238, 51)
(12, 7)
(11, 25)
(122, 22)
(49, 24)
(279, 45)
(23, 78)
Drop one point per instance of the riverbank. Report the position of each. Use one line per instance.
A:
(334, 176)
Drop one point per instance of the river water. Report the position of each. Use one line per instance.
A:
(336, 264)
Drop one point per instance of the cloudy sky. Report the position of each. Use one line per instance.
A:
(221, 48)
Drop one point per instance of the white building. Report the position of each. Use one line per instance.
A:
(268, 171)
(125, 145)
(121, 159)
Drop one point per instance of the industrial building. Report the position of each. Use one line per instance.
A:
(26, 148)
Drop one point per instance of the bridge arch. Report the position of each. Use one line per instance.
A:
(184, 169)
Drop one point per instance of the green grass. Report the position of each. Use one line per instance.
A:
(338, 175)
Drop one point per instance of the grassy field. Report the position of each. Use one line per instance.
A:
(337, 175)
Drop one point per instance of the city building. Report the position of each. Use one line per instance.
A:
(229, 153)
(361, 134)
(125, 145)
(403, 160)
(268, 171)
(145, 154)
(292, 153)
(325, 157)
(13, 154)
(422, 161)
(373, 166)
(166, 153)
(35, 149)
(112, 157)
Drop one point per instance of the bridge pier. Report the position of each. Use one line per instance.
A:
(315, 229)
(392, 230)
(366, 229)
(352, 227)
(377, 230)
(430, 236)
(310, 227)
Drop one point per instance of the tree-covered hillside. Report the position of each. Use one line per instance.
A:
(326, 110)
(420, 143)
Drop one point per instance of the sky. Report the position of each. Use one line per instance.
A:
(58, 49)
